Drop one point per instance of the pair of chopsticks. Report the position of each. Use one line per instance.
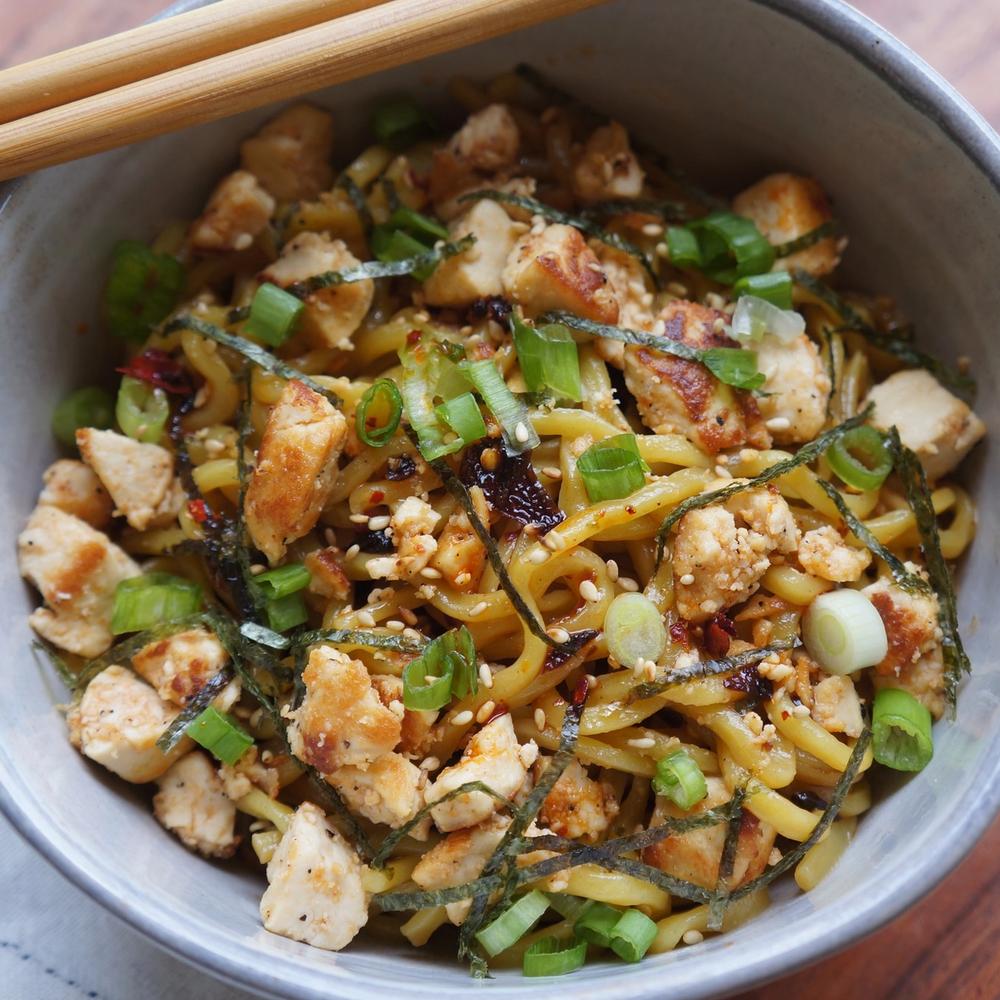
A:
(226, 58)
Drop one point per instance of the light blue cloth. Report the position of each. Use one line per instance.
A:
(57, 944)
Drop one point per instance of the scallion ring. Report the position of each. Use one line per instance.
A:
(510, 412)
(901, 731)
(549, 956)
(513, 923)
(860, 458)
(632, 935)
(142, 410)
(274, 314)
(774, 287)
(612, 468)
(87, 407)
(145, 601)
(220, 735)
(284, 580)
(634, 629)
(549, 358)
(843, 632)
(399, 122)
(596, 925)
(682, 247)
(463, 416)
(378, 413)
(680, 779)
(286, 612)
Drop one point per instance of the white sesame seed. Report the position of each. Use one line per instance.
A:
(426, 592)
(408, 616)
(589, 591)
(593, 683)
(778, 424)
(559, 634)
(521, 432)
(552, 472)
(478, 609)
(379, 523)
(722, 472)
(693, 937)
(430, 573)
(463, 718)
(256, 569)
(485, 675)
(687, 579)
(330, 536)
(652, 229)
(627, 583)
(485, 711)
(662, 250)
(463, 578)
(612, 570)
(540, 720)
(676, 288)
(352, 551)
(422, 317)
(430, 764)
(359, 518)
(395, 625)
(538, 556)
(642, 743)
(366, 618)
(411, 633)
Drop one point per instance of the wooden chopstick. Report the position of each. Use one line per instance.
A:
(355, 45)
(156, 48)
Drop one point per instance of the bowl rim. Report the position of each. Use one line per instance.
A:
(924, 89)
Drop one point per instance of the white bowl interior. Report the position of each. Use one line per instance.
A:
(730, 89)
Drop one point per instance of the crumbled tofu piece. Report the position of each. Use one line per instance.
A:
(139, 477)
(291, 154)
(938, 426)
(73, 487)
(924, 679)
(488, 141)
(296, 469)
(475, 273)
(315, 891)
(911, 625)
(249, 772)
(555, 269)
(326, 574)
(825, 554)
(492, 756)
(836, 706)
(578, 806)
(461, 557)
(796, 389)
(387, 792)
(77, 570)
(785, 207)
(676, 396)
(117, 723)
(331, 315)
(179, 665)
(192, 804)
(411, 525)
(341, 721)
(606, 167)
(458, 858)
(417, 727)
(695, 856)
(237, 211)
(630, 284)
(724, 550)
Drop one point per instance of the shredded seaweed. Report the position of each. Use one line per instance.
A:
(898, 347)
(359, 637)
(831, 369)
(908, 581)
(208, 692)
(253, 599)
(825, 229)
(720, 899)
(358, 200)
(807, 453)
(60, 666)
(709, 668)
(918, 495)
(669, 211)
(584, 224)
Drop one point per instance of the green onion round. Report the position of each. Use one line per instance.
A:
(450, 660)
(843, 632)
(597, 924)
(549, 358)
(286, 612)
(612, 468)
(680, 779)
(273, 315)
(860, 458)
(463, 416)
(632, 935)
(634, 629)
(220, 735)
(384, 397)
(142, 289)
(398, 122)
(774, 287)
(736, 247)
(283, 581)
(142, 602)
(142, 410)
(682, 247)
(551, 957)
(417, 224)
(394, 244)
(513, 923)
(511, 414)
(87, 407)
(901, 731)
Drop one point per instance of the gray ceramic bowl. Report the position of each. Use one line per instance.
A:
(731, 88)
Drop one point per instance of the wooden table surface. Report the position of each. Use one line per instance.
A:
(945, 947)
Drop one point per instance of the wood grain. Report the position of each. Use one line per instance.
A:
(944, 948)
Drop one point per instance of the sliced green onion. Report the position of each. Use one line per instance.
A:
(142, 410)
(733, 366)
(732, 246)
(509, 411)
(861, 458)
(755, 317)
(87, 407)
(142, 289)
(513, 923)
(284, 580)
(682, 247)
(376, 428)
(632, 935)
(398, 122)
(634, 629)
(463, 416)
(447, 667)
(286, 612)
(774, 287)
(901, 731)
(220, 735)
(423, 363)
(612, 468)
(417, 224)
(146, 601)
(551, 957)
(273, 315)
(843, 632)
(568, 907)
(549, 358)
(680, 779)
(395, 245)
(596, 925)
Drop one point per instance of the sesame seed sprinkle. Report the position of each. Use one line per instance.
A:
(485, 711)
(540, 720)
(463, 718)
(379, 523)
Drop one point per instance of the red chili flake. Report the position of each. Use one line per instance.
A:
(718, 633)
(581, 691)
(158, 368)
(198, 510)
(377, 497)
(413, 337)
(679, 633)
(577, 640)
(785, 714)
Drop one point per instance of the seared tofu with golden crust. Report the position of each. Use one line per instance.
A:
(785, 207)
(578, 806)
(192, 804)
(117, 723)
(341, 721)
(676, 396)
(794, 396)
(73, 487)
(836, 706)
(387, 791)
(474, 273)
(180, 665)
(695, 856)
(237, 211)
(296, 469)
(932, 422)
(315, 892)
(553, 268)
(824, 553)
(291, 154)
(77, 570)
(606, 167)
(331, 315)
(139, 477)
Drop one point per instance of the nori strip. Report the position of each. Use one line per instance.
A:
(208, 692)
(358, 637)
(58, 663)
(671, 211)
(829, 228)
(358, 200)
(720, 899)
(918, 495)
(253, 598)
